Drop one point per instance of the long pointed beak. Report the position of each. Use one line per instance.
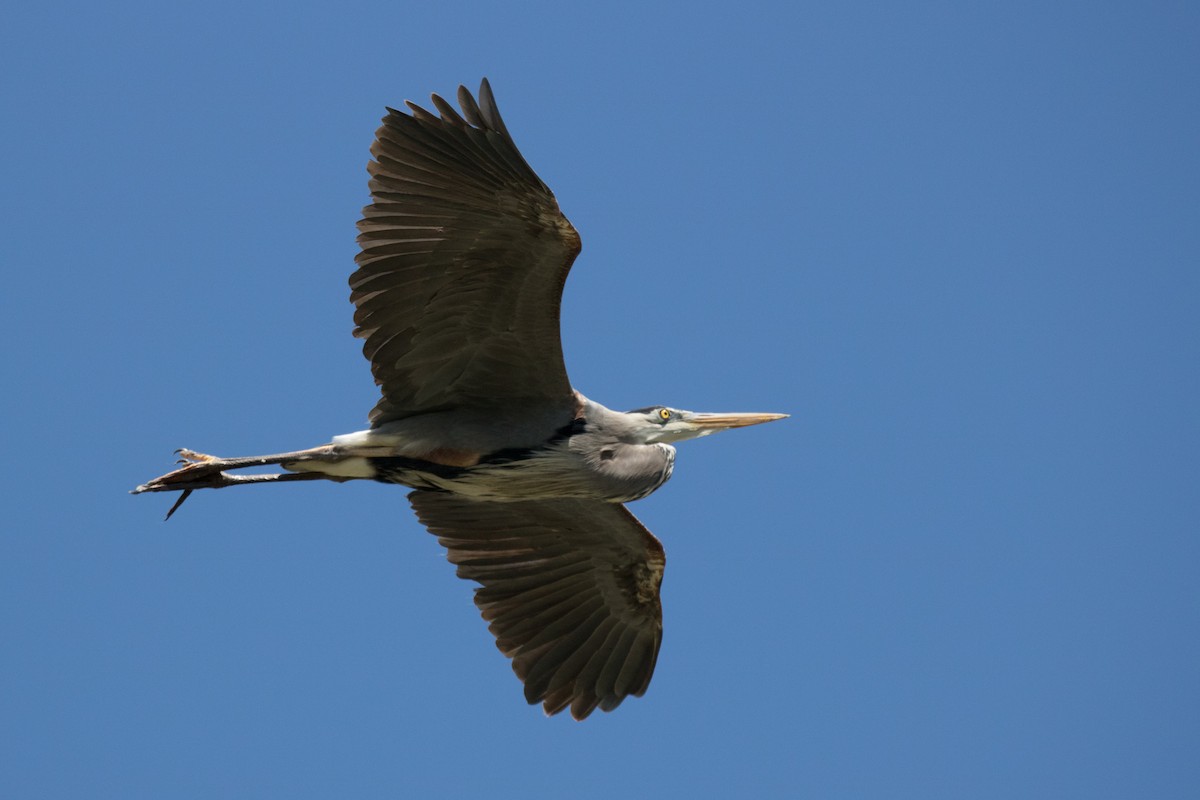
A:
(711, 423)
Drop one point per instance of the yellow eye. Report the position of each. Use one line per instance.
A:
(664, 414)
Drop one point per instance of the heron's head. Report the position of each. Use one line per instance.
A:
(667, 425)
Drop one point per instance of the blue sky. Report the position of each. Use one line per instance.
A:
(959, 243)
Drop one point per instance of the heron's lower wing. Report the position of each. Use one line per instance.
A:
(570, 588)
(464, 256)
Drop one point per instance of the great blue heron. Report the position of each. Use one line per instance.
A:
(522, 479)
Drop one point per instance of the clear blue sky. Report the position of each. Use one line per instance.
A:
(959, 243)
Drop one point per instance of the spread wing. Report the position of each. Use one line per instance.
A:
(464, 256)
(569, 587)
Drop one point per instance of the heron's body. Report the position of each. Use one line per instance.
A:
(457, 292)
(584, 457)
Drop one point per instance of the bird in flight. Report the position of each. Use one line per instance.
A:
(522, 479)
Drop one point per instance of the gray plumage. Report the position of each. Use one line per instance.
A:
(464, 257)
(553, 572)
(480, 330)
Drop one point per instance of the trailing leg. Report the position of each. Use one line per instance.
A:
(200, 471)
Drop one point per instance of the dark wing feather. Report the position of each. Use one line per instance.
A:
(464, 256)
(569, 588)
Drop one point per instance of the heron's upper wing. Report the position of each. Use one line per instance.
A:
(569, 587)
(464, 256)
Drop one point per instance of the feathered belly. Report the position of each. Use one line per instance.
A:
(537, 474)
(510, 480)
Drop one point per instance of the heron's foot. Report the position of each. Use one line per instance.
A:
(202, 471)
(197, 471)
(192, 457)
